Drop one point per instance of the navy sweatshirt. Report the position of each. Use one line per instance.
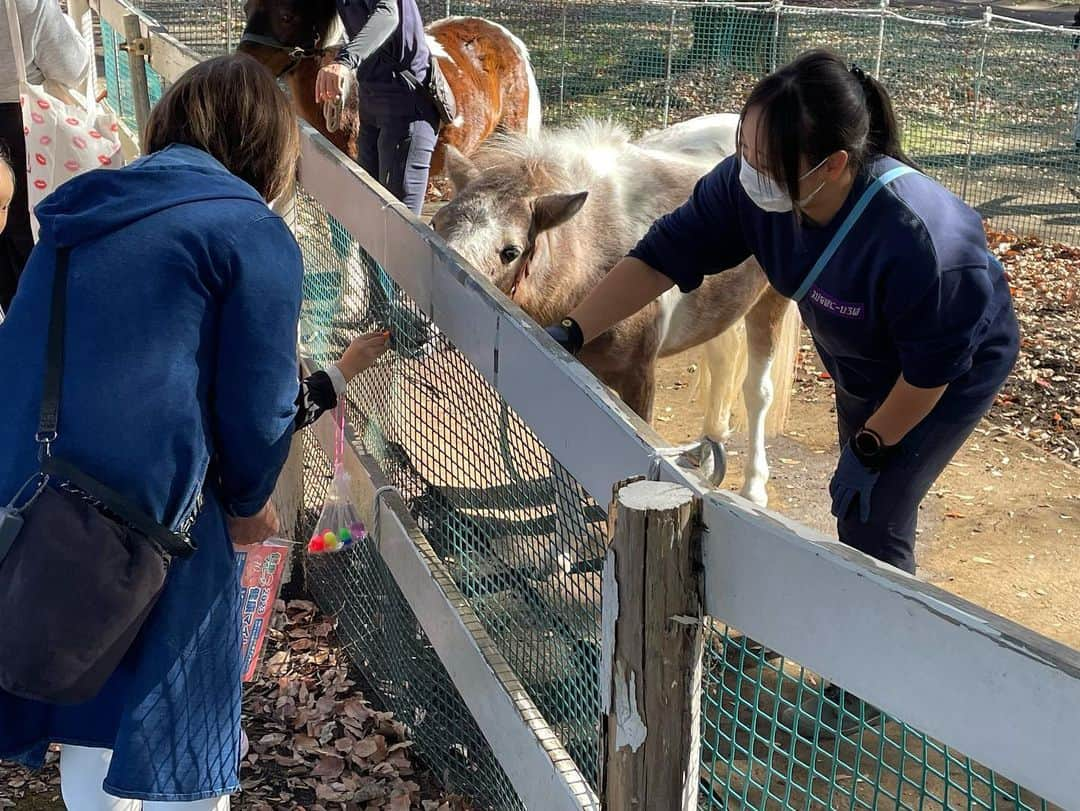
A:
(911, 290)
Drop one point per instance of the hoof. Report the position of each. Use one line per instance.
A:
(756, 494)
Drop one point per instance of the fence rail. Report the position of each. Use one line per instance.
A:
(477, 685)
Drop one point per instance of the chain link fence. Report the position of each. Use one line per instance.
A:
(519, 536)
(989, 107)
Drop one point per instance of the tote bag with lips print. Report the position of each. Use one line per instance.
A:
(64, 136)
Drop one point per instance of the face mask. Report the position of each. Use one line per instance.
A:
(766, 194)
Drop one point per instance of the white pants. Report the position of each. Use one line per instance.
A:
(82, 771)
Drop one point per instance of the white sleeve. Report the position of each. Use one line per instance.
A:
(337, 378)
(53, 46)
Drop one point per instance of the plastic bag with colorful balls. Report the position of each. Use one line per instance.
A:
(339, 526)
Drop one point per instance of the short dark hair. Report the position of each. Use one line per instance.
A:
(231, 107)
(815, 106)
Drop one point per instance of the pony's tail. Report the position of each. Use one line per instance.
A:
(723, 368)
(783, 371)
(720, 372)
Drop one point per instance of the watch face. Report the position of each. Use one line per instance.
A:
(867, 443)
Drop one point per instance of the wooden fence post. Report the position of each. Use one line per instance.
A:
(650, 675)
(137, 47)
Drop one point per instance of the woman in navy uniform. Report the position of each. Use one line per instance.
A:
(910, 313)
(388, 54)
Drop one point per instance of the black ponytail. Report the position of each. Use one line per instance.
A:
(883, 137)
(815, 106)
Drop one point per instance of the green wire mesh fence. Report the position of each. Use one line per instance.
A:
(519, 536)
(385, 641)
(756, 756)
(118, 76)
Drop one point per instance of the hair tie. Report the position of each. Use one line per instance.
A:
(858, 73)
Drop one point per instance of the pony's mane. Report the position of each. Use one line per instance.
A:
(330, 28)
(335, 30)
(590, 150)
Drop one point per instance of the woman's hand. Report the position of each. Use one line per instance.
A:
(852, 480)
(256, 528)
(330, 83)
(362, 353)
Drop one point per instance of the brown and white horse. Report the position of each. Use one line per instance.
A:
(546, 217)
(486, 66)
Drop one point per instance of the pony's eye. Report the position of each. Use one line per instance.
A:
(509, 254)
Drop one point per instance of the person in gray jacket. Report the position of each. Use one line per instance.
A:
(55, 51)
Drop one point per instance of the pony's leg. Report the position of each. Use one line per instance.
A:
(764, 324)
(638, 391)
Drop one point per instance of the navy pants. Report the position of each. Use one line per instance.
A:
(889, 535)
(396, 142)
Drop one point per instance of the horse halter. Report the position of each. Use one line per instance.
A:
(522, 271)
(297, 54)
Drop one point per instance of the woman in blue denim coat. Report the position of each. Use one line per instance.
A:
(180, 379)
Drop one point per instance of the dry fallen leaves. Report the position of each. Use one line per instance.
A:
(1041, 399)
(316, 742)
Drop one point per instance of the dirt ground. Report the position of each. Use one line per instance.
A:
(1001, 527)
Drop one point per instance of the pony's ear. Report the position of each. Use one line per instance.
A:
(459, 169)
(555, 209)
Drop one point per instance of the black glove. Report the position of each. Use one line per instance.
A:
(568, 335)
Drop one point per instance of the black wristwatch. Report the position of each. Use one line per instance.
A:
(567, 333)
(869, 448)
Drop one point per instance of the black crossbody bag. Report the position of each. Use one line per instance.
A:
(437, 90)
(81, 566)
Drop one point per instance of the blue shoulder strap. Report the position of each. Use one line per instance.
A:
(852, 218)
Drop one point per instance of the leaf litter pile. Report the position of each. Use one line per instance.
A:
(315, 743)
(1040, 401)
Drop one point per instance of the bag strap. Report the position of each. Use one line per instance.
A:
(852, 217)
(122, 507)
(49, 424)
(49, 418)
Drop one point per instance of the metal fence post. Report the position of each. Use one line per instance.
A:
(562, 56)
(777, 7)
(670, 62)
(1076, 125)
(138, 48)
(880, 38)
(988, 17)
(228, 26)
